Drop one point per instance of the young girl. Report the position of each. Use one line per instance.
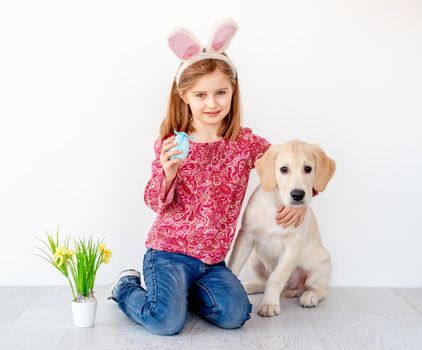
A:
(198, 199)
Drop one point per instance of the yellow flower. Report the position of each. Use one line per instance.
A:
(59, 251)
(62, 254)
(102, 247)
(106, 256)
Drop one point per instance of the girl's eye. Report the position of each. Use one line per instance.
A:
(199, 95)
(307, 169)
(284, 170)
(221, 92)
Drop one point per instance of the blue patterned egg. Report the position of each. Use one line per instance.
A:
(182, 140)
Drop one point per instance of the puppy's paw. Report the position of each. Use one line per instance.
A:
(269, 310)
(309, 299)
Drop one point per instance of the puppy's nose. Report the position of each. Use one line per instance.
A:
(297, 195)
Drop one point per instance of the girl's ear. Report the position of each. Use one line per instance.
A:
(265, 169)
(184, 44)
(222, 35)
(325, 168)
(182, 96)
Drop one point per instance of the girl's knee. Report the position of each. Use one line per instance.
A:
(166, 320)
(167, 327)
(233, 315)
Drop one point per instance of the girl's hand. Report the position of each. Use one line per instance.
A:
(170, 167)
(287, 216)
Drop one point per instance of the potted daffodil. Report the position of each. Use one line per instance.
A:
(79, 265)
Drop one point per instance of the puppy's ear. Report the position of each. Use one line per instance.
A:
(265, 169)
(325, 168)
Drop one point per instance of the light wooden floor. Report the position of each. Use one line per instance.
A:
(350, 318)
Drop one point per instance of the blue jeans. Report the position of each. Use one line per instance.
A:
(176, 283)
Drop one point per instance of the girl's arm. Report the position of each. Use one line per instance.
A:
(159, 192)
(257, 145)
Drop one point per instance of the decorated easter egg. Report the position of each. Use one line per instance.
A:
(182, 140)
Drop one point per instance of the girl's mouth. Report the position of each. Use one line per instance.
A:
(211, 114)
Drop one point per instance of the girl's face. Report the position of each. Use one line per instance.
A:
(209, 99)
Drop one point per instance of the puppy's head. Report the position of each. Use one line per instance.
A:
(295, 168)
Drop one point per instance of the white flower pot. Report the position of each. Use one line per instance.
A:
(84, 313)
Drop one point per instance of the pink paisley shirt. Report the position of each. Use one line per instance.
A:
(199, 215)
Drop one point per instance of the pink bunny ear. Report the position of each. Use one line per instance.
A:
(184, 44)
(222, 35)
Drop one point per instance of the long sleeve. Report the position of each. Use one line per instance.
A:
(155, 190)
(257, 145)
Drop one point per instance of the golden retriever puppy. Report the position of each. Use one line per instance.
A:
(286, 261)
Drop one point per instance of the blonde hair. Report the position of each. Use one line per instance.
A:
(179, 115)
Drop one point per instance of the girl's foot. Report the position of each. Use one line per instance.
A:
(124, 273)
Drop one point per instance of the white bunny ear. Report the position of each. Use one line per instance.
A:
(184, 44)
(222, 35)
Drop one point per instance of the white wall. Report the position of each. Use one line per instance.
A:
(84, 86)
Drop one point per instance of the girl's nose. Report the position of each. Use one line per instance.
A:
(211, 102)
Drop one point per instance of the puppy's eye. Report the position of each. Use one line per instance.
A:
(307, 169)
(283, 170)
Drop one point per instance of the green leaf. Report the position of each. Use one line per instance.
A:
(43, 242)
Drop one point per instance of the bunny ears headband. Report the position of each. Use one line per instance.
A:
(190, 50)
